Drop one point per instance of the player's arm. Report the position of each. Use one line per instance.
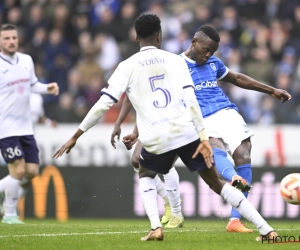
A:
(131, 139)
(117, 85)
(40, 88)
(96, 112)
(246, 82)
(125, 109)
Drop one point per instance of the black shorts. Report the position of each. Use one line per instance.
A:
(16, 147)
(162, 163)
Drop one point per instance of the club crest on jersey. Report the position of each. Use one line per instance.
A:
(26, 67)
(213, 66)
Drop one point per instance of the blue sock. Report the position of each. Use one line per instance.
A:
(244, 171)
(223, 165)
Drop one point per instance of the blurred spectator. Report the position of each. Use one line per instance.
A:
(88, 67)
(260, 66)
(65, 111)
(36, 20)
(108, 54)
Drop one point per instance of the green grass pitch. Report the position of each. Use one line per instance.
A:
(126, 234)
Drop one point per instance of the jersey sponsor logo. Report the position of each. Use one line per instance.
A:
(40, 188)
(18, 81)
(206, 84)
(213, 66)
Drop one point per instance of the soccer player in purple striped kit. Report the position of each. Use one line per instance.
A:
(17, 143)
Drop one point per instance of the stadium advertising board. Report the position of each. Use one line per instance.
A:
(113, 193)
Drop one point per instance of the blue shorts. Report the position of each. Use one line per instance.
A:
(16, 147)
(162, 163)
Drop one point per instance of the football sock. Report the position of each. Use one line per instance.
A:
(223, 165)
(161, 189)
(23, 190)
(172, 187)
(2, 183)
(149, 196)
(236, 199)
(11, 196)
(244, 171)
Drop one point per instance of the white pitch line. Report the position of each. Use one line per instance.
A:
(96, 233)
(112, 233)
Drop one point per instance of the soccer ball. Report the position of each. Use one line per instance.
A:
(290, 188)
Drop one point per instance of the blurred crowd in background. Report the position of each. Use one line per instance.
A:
(79, 43)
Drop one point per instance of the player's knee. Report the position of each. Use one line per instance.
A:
(30, 174)
(144, 172)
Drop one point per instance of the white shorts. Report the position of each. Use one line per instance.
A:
(228, 125)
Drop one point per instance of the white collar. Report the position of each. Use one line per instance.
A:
(10, 59)
(147, 47)
(188, 59)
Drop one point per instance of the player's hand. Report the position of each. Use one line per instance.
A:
(66, 148)
(205, 149)
(53, 88)
(281, 95)
(130, 140)
(116, 132)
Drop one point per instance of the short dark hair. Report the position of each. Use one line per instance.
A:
(8, 26)
(147, 25)
(211, 32)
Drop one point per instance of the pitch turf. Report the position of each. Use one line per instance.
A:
(125, 234)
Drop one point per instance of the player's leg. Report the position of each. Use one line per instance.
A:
(150, 165)
(160, 186)
(13, 155)
(12, 185)
(32, 162)
(172, 186)
(230, 194)
(242, 160)
(236, 199)
(225, 167)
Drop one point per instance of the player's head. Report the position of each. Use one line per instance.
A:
(148, 30)
(204, 44)
(9, 41)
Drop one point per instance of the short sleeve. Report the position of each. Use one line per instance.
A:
(222, 70)
(120, 79)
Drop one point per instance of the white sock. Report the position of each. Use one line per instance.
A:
(236, 198)
(11, 196)
(149, 196)
(172, 187)
(2, 183)
(22, 190)
(161, 189)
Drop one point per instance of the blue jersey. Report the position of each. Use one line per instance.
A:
(210, 96)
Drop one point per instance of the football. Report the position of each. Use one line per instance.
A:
(290, 188)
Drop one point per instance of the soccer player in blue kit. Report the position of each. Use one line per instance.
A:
(226, 128)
